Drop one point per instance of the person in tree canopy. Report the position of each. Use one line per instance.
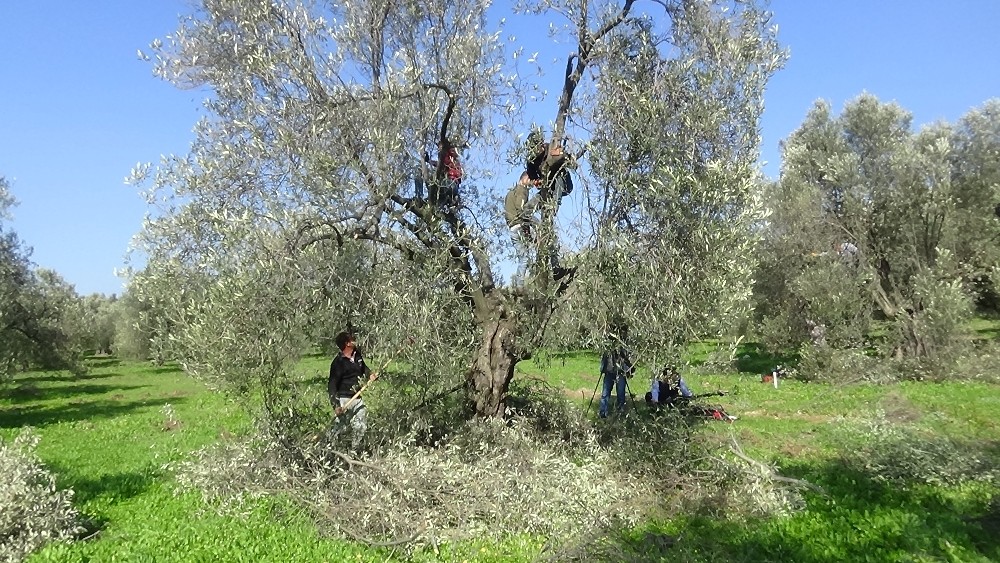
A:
(848, 252)
(548, 165)
(348, 373)
(518, 210)
(447, 175)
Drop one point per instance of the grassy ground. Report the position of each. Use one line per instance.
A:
(108, 434)
(797, 427)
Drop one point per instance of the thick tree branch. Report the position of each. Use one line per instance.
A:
(586, 43)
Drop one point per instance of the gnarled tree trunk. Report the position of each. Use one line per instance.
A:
(493, 367)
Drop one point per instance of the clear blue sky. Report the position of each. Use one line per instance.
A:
(78, 108)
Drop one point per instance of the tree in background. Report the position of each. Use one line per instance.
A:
(297, 200)
(975, 168)
(132, 322)
(870, 219)
(36, 308)
(97, 318)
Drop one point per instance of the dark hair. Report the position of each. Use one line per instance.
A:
(535, 138)
(342, 339)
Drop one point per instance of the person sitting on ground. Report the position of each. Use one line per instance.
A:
(667, 388)
(347, 374)
(616, 367)
(670, 390)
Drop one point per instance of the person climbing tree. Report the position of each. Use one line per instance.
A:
(447, 175)
(548, 165)
(518, 210)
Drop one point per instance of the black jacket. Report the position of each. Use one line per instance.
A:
(617, 363)
(346, 375)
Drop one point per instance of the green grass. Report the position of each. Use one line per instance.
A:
(795, 427)
(108, 434)
(985, 328)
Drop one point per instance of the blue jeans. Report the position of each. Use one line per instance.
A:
(618, 382)
(685, 392)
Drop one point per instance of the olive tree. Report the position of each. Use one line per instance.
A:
(296, 211)
(96, 322)
(870, 220)
(37, 307)
(804, 290)
(975, 165)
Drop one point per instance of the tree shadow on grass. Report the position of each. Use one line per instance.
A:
(857, 518)
(50, 377)
(161, 370)
(119, 486)
(44, 415)
(116, 487)
(102, 362)
(30, 393)
(988, 333)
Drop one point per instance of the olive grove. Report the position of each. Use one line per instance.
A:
(38, 310)
(295, 214)
(876, 224)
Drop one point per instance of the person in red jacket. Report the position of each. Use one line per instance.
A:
(447, 175)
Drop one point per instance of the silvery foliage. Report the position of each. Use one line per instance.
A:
(747, 490)
(801, 283)
(903, 199)
(489, 481)
(32, 511)
(903, 454)
(39, 312)
(547, 472)
(97, 322)
(975, 168)
(15, 267)
(284, 223)
(132, 334)
(291, 215)
(676, 195)
(7, 200)
(828, 364)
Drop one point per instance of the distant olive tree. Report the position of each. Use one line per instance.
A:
(97, 322)
(975, 169)
(873, 220)
(37, 307)
(296, 211)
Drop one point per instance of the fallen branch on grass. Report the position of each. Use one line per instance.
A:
(771, 473)
(391, 543)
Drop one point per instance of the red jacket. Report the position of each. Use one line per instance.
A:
(451, 165)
